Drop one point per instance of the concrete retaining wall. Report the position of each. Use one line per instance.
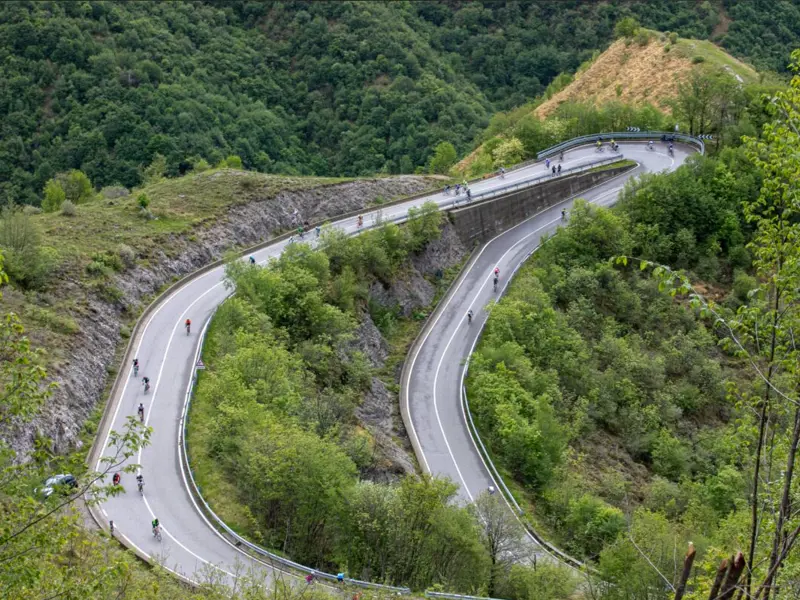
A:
(481, 221)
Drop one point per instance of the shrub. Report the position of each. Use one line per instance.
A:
(642, 37)
(29, 209)
(627, 28)
(98, 269)
(231, 162)
(143, 201)
(127, 255)
(53, 321)
(112, 261)
(54, 196)
(444, 157)
(146, 214)
(696, 60)
(201, 165)
(673, 37)
(27, 263)
(76, 185)
(68, 209)
(112, 192)
(592, 524)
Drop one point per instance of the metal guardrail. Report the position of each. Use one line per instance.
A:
(621, 135)
(222, 525)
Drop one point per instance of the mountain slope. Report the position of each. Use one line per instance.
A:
(637, 75)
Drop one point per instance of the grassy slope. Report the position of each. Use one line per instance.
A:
(636, 75)
(181, 206)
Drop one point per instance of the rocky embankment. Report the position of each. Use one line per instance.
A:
(83, 378)
(413, 291)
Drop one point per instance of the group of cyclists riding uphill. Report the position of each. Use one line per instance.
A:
(458, 188)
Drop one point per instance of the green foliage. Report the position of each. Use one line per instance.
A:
(27, 262)
(76, 185)
(581, 363)
(508, 153)
(627, 28)
(54, 196)
(68, 209)
(274, 415)
(143, 201)
(444, 157)
(348, 88)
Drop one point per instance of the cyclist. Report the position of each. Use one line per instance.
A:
(497, 271)
(563, 214)
(252, 260)
(140, 411)
(188, 325)
(116, 478)
(599, 146)
(135, 367)
(547, 163)
(469, 316)
(140, 481)
(300, 232)
(155, 525)
(446, 190)
(469, 194)
(558, 171)
(670, 150)
(502, 172)
(561, 156)
(554, 169)
(146, 382)
(491, 489)
(318, 230)
(650, 145)
(360, 220)
(613, 145)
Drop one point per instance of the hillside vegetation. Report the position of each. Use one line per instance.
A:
(313, 88)
(644, 79)
(637, 74)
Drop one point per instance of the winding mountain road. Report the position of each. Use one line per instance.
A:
(190, 546)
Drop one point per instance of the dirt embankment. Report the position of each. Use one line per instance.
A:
(631, 74)
(83, 377)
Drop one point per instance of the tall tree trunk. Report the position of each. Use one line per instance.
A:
(688, 560)
(760, 447)
(779, 542)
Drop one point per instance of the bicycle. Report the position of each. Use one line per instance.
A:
(136, 369)
(495, 284)
(141, 488)
(188, 327)
(469, 318)
(146, 385)
(157, 532)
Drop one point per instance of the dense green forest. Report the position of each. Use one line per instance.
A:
(325, 88)
(277, 448)
(638, 380)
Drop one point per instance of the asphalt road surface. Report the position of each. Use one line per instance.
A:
(190, 546)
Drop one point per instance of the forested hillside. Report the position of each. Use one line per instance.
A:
(328, 88)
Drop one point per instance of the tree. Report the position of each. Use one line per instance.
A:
(508, 153)
(54, 196)
(444, 157)
(36, 535)
(77, 187)
(501, 534)
(627, 27)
